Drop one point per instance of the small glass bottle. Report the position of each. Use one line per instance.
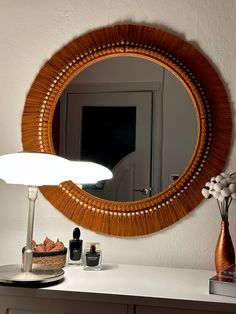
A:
(93, 256)
(75, 248)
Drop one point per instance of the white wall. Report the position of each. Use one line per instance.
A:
(31, 31)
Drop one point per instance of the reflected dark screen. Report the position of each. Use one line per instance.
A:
(108, 134)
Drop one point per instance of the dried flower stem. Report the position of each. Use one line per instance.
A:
(224, 208)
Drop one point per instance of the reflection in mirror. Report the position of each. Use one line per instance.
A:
(132, 116)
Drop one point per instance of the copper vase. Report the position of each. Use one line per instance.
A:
(224, 252)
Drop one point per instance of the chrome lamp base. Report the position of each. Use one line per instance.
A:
(40, 275)
(29, 274)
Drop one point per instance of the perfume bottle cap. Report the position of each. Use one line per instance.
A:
(93, 248)
(76, 233)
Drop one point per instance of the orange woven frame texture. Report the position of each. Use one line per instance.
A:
(214, 127)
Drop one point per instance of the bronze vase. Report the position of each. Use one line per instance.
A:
(224, 252)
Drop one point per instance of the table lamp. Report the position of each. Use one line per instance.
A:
(36, 169)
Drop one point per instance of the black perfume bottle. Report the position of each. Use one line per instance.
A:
(75, 248)
(93, 257)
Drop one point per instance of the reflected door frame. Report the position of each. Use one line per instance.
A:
(155, 88)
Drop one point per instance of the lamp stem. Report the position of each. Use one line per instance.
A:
(28, 254)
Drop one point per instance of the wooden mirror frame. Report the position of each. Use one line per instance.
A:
(213, 115)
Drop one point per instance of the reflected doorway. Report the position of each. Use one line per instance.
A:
(114, 128)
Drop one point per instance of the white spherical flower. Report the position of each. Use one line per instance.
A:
(225, 192)
(221, 198)
(216, 194)
(217, 187)
(224, 183)
(208, 184)
(211, 185)
(233, 195)
(219, 178)
(232, 187)
(206, 193)
(213, 179)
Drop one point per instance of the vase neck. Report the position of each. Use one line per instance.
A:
(224, 226)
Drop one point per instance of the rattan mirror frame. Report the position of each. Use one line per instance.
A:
(213, 114)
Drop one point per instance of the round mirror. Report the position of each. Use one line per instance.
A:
(133, 116)
(211, 144)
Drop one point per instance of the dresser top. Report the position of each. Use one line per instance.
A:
(141, 281)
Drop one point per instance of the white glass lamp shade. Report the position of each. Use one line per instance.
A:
(90, 172)
(36, 169)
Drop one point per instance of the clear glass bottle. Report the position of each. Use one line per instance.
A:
(92, 256)
(75, 248)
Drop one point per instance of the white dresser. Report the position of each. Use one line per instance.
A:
(120, 289)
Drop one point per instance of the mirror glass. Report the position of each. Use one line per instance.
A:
(133, 116)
